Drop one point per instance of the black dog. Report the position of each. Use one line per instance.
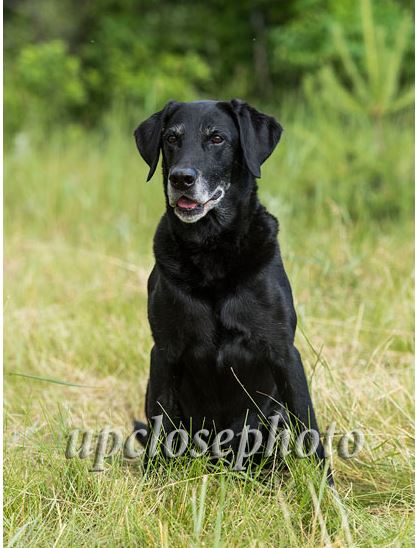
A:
(220, 303)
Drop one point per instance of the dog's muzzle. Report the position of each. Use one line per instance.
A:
(191, 210)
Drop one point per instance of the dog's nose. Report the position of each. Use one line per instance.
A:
(183, 178)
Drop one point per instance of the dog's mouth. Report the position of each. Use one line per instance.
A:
(192, 207)
(187, 204)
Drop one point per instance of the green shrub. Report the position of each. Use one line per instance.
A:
(305, 42)
(371, 86)
(78, 63)
(357, 137)
(44, 85)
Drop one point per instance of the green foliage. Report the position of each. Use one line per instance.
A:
(44, 85)
(139, 54)
(374, 85)
(124, 66)
(148, 82)
(359, 121)
(304, 43)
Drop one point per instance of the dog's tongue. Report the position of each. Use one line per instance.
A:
(186, 203)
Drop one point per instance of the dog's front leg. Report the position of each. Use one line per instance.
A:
(291, 380)
(162, 408)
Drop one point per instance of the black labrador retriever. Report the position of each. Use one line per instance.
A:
(220, 304)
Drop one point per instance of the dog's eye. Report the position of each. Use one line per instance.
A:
(172, 139)
(216, 139)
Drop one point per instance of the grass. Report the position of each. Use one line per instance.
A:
(79, 221)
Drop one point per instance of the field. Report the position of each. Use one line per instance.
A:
(79, 220)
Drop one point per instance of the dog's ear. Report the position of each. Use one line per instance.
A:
(259, 135)
(148, 138)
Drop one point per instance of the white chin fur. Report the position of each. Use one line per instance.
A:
(187, 218)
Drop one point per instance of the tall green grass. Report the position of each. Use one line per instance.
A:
(79, 220)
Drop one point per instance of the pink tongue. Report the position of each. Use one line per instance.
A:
(185, 203)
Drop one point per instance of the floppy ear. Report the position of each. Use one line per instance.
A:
(148, 138)
(259, 135)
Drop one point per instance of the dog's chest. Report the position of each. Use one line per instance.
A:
(226, 325)
(227, 366)
(235, 328)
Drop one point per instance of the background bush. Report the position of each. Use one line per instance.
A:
(142, 53)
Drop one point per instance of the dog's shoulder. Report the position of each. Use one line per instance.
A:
(166, 247)
(264, 227)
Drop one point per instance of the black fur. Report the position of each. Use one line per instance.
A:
(220, 303)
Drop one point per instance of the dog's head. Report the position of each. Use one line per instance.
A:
(202, 144)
